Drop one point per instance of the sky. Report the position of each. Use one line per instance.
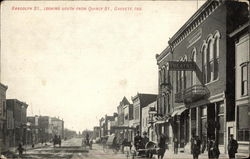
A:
(78, 64)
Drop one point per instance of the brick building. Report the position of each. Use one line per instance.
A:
(140, 101)
(19, 110)
(3, 115)
(196, 75)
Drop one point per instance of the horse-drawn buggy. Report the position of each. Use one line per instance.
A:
(111, 143)
(86, 143)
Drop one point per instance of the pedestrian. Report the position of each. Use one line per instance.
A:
(196, 146)
(20, 149)
(209, 148)
(213, 150)
(137, 140)
(162, 146)
(59, 141)
(145, 139)
(232, 147)
(175, 145)
(204, 143)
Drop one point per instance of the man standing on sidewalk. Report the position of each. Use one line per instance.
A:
(196, 146)
(232, 147)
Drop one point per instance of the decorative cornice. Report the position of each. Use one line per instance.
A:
(3, 87)
(163, 54)
(199, 16)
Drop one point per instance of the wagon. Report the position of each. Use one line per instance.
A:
(149, 150)
(111, 143)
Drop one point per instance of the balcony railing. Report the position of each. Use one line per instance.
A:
(191, 94)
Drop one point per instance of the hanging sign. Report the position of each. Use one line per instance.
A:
(181, 66)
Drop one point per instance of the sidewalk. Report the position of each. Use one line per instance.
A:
(182, 155)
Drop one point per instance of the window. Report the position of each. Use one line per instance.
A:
(210, 58)
(204, 63)
(193, 75)
(216, 54)
(243, 123)
(244, 75)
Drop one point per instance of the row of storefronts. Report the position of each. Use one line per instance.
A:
(203, 86)
(204, 77)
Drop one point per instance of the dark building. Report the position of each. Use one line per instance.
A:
(96, 132)
(140, 101)
(196, 75)
(3, 115)
(240, 128)
(45, 129)
(19, 110)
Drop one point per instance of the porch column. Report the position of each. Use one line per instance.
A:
(198, 121)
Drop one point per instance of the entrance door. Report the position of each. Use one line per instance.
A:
(211, 121)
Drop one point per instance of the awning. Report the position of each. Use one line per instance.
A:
(178, 112)
(181, 111)
(160, 122)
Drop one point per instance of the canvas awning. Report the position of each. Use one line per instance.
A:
(178, 112)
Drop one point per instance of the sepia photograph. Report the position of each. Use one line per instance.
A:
(135, 79)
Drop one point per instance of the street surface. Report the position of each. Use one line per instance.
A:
(72, 149)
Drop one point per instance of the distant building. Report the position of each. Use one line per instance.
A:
(45, 128)
(147, 126)
(3, 115)
(33, 135)
(96, 132)
(57, 127)
(140, 101)
(20, 120)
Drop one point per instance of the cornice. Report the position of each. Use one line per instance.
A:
(163, 54)
(3, 87)
(194, 22)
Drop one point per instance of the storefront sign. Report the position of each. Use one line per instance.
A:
(181, 66)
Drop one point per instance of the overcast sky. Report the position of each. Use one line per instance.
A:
(78, 65)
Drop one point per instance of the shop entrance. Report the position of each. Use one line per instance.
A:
(211, 121)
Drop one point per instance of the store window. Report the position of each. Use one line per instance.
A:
(220, 112)
(243, 123)
(204, 121)
(244, 82)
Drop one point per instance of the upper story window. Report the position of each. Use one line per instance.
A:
(210, 62)
(216, 54)
(193, 75)
(244, 80)
(210, 53)
(204, 62)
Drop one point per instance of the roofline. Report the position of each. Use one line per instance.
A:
(240, 29)
(190, 20)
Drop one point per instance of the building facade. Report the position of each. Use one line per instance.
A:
(196, 75)
(57, 127)
(242, 87)
(140, 101)
(3, 116)
(19, 110)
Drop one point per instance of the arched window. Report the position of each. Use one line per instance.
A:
(193, 75)
(210, 59)
(217, 37)
(163, 74)
(204, 62)
(184, 79)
